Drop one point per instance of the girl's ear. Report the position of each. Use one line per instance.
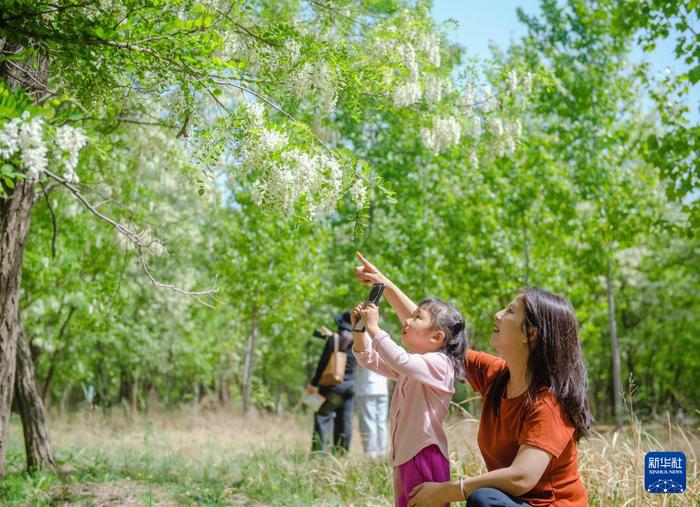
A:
(439, 336)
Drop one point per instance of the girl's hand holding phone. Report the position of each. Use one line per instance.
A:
(370, 318)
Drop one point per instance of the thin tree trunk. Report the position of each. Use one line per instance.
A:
(248, 369)
(617, 380)
(15, 215)
(56, 353)
(31, 409)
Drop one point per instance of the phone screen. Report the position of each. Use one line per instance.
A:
(376, 293)
(374, 296)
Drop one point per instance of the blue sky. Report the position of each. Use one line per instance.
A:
(481, 22)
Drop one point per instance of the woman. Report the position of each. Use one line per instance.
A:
(336, 411)
(535, 407)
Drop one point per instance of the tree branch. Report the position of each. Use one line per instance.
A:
(53, 220)
(136, 239)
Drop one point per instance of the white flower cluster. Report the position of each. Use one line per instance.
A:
(513, 81)
(407, 55)
(295, 175)
(430, 45)
(474, 126)
(318, 77)
(287, 173)
(505, 136)
(69, 142)
(406, 94)
(409, 92)
(435, 87)
(358, 193)
(445, 133)
(25, 135)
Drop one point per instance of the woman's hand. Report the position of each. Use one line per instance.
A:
(429, 494)
(310, 389)
(368, 274)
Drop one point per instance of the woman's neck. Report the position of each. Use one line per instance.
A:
(519, 379)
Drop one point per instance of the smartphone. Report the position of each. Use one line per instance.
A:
(375, 294)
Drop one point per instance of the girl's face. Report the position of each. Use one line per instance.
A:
(418, 334)
(508, 337)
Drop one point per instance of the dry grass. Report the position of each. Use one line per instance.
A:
(199, 457)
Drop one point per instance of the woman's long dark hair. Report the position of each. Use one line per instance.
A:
(556, 358)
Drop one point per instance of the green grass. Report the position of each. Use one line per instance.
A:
(215, 459)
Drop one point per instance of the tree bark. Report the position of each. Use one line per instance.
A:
(15, 214)
(31, 409)
(617, 380)
(248, 369)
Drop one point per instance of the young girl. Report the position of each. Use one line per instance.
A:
(435, 336)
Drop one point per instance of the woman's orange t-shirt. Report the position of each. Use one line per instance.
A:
(541, 424)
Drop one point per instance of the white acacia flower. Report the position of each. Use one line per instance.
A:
(446, 132)
(430, 45)
(488, 102)
(358, 193)
(474, 126)
(9, 138)
(407, 54)
(527, 83)
(517, 129)
(33, 149)
(512, 81)
(433, 88)
(257, 192)
(69, 141)
(272, 140)
(496, 127)
(406, 94)
(256, 113)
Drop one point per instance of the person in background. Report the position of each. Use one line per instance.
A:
(372, 400)
(336, 412)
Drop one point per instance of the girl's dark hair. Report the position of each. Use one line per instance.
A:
(447, 318)
(556, 358)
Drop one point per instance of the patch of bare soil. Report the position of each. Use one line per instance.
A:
(121, 493)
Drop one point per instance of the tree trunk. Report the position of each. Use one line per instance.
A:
(617, 381)
(248, 370)
(54, 357)
(15, 214)
(31, 408)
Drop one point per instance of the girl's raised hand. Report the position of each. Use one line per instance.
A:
(370, 318)
(368, 274)
(356, 314)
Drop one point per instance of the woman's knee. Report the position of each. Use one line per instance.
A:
(490, 497)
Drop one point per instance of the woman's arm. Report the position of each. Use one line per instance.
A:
(517, 479)
(368, 274)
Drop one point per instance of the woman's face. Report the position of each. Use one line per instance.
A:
(418, 334)
(508, 337)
